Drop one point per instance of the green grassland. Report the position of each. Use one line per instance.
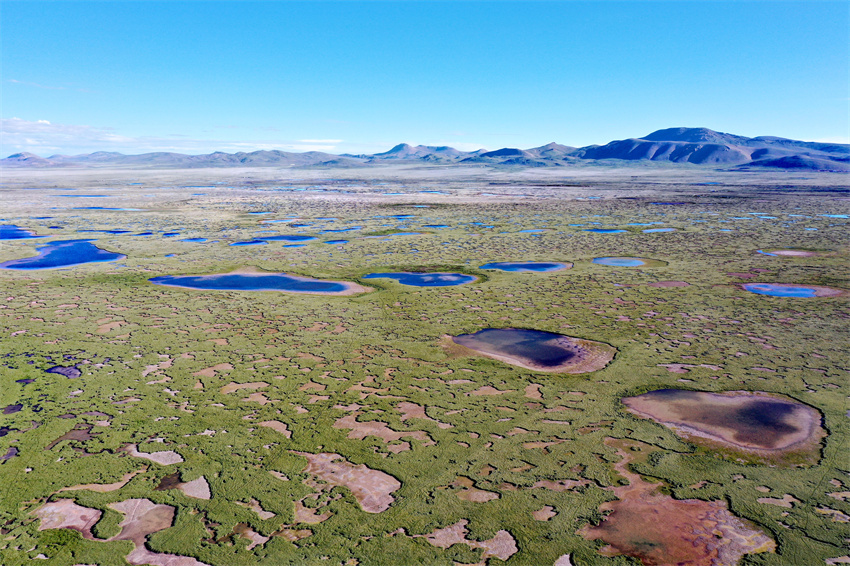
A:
(144, 349)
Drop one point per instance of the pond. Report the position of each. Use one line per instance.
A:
(425, 279)
(288, 238)
(781, 290)
(619, 261)
(744, 420)
(12, 232)
(258, 281)
(605, 230)
(539, 266)
(657, 230)
(251, 243)
(63, 253)
(538, 350)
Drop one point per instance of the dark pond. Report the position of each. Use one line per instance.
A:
(290, 238)
(619, 261)
(336, 242)
(171, 481)
(251, 282)
(536, 345)
(524, 266)
(759, 421)
(71, 372)
(12, 232)
(80, 433)
(425, 279)
(63, 253)
(24, 381)
(12, 409)
(780, 290)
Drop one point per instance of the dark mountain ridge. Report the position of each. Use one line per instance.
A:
(696, 146)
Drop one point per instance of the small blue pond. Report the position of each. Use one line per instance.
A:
(251, 243)
(654, 230)
(336, 242)
(63, 253)
(619, 261)
(532, 231)
(524, 266)
(436, 226)
(425, 279)
(605, 230)
(776, 290)
(12, 232)
(194, 240)
(251, 282)
(288, 238)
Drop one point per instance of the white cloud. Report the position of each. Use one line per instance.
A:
(834, 139)
(43, 137)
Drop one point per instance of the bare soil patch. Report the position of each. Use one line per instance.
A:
(371, 488)
(659, 530)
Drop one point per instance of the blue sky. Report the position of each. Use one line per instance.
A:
(359, 77)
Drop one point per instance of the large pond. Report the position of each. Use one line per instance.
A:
(12, 232)
(425, 279)
(781, 290)
(619, 261)
(538, 266)
(745, 420)
(538, 350)
(258, 281)
(63, 253)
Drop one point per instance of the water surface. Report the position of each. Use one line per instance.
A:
(539, 347)
(63, 253)
(780, 290)
(538, 266)
(619, 261)
(12, 232)
(252, 282)
(425, 279)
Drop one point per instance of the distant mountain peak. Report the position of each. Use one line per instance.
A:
(693, 135)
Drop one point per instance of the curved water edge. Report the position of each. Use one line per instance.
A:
(425, 279)
(620, 261)
(13, 232)
(63, 253)
(792, 290)
(253, 280)
(518, 266)
(538, 350)
(767, 425)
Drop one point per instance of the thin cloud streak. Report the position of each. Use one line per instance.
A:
(42, 136)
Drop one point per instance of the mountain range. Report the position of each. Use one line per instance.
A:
(697, 146)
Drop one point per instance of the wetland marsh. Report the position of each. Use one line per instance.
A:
(514, 388)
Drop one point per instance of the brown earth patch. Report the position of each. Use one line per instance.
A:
(107, 487)
(544, 514)
(414, 411)
(787, 500)
(659, 530)
(232, 386)
(469, 492)
(66, 514)
(163, 458)
(278, 426)
(371, 488)
(361, 430)
(255, 506)
(211, 371)
(501, 546)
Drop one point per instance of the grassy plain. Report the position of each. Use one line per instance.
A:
(366, 377)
